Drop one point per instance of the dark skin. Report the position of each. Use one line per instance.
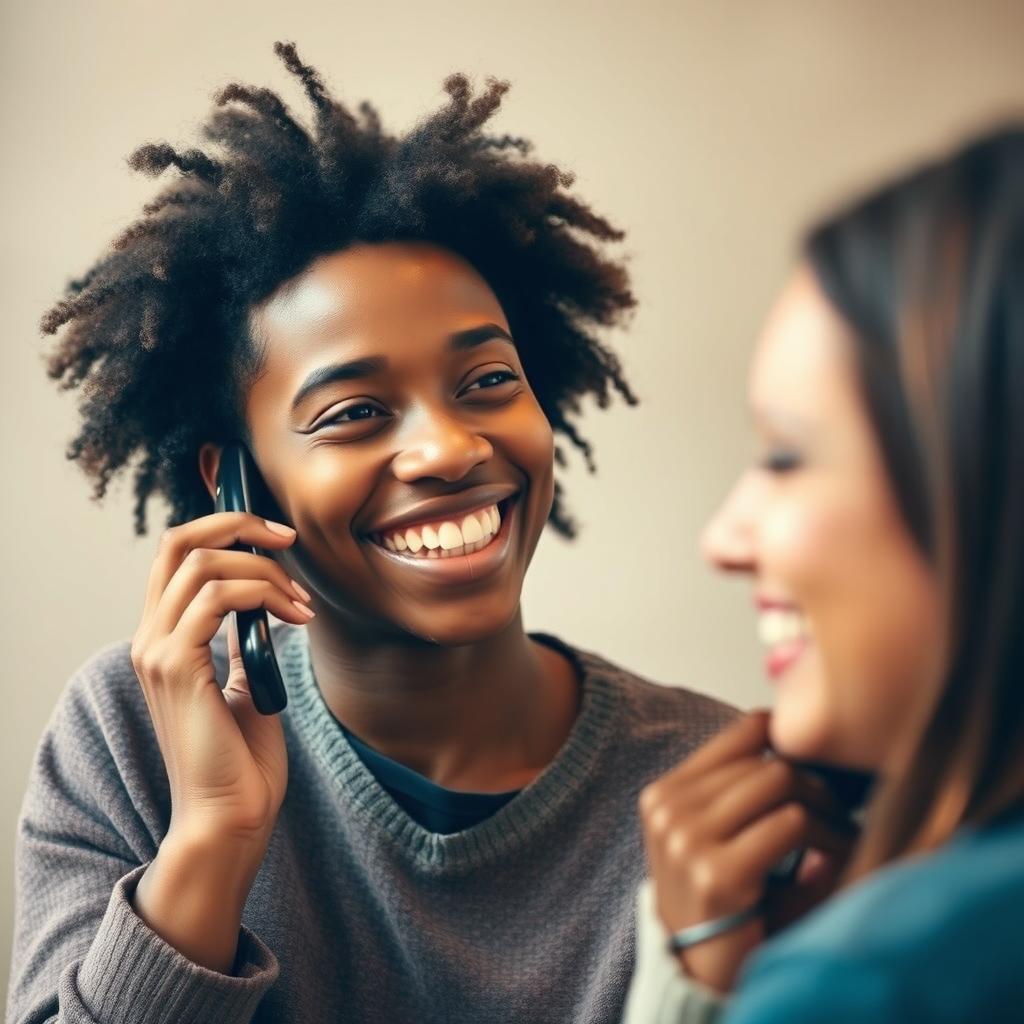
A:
(438, 675)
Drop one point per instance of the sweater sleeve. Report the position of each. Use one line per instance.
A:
(660, 993)
(80, 953)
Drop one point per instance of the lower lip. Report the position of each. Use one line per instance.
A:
(779, 660)
(461, 568)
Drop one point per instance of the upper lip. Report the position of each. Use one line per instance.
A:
(766, 604)
(447, 507)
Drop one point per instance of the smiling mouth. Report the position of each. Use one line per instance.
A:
(448, 537)
(786, 636)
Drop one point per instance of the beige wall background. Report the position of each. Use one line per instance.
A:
(712, 131)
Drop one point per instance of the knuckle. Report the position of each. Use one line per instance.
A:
(170, 539)
(197, 560)
(706, 877)
(213, 591)
(650, 798)
(659, 821)
(149, 663)
(680, 843)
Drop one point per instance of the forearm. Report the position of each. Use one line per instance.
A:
(193, 894)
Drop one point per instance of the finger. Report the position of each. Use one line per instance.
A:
(217, 530)
(683, 799)
(203, 617)
(768, 785)
(763, 844)
(204, 564)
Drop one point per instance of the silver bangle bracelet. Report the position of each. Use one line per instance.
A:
(704, 930)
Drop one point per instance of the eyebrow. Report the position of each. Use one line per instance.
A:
(358, 369)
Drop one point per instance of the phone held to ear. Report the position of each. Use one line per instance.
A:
(237, 487)
(851, 789)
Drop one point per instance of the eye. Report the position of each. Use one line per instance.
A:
(492, 379)
(353, 414)
(780, 462)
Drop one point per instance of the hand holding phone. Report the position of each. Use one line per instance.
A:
(224, 754)
(716, 828)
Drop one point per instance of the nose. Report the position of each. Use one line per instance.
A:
(729, 540)
(440, 446)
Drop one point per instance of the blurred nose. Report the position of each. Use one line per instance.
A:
(440, 446)
(729, 539)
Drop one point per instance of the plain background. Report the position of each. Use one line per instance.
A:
(713, 132)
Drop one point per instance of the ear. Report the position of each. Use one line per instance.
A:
(209, 463)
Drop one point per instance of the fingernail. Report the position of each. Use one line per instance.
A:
(299, 590)
(285, 531)
(308, 612)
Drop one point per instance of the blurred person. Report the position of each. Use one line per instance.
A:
(882, 528)
(442, 825)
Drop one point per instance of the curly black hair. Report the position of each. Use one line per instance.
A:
(159, 339)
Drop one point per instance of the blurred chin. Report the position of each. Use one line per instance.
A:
(800, 723)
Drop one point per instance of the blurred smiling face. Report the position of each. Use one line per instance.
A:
(848, 607)
(395, 426)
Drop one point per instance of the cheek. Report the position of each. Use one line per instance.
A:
(527, 441)
(329, 492)
(872, 609)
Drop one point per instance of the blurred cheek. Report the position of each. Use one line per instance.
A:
(871, 606)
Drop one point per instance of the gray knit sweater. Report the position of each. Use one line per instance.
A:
(358, 913)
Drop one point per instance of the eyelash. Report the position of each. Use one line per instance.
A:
(345, 415)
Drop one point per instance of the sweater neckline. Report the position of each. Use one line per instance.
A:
(533, 808)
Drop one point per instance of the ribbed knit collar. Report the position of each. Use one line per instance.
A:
(499, 835)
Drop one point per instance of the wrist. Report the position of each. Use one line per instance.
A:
(193, 894)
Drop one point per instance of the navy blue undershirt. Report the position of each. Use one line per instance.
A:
(435, 808)
(432, 806)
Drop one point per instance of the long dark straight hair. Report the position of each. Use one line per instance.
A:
(929, 272)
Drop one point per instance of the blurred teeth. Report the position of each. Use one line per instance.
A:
(780, 626)
(445, 538)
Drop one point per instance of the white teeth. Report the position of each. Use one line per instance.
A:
(449, 536)
(472, 530)
(777, 626)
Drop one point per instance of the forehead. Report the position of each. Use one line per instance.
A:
(804, 364)
(373, 292)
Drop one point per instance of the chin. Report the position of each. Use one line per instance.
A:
(461, 626)
(799, 727)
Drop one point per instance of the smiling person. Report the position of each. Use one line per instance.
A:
(882, 530)
(441, 826)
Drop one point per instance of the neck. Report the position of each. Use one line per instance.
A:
(487, 716)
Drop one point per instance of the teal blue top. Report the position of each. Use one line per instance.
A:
(932, 939)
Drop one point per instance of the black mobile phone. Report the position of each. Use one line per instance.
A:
(238, 489)
(851, 789)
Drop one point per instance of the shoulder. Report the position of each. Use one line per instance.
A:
(936, 936)
(662, 723)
